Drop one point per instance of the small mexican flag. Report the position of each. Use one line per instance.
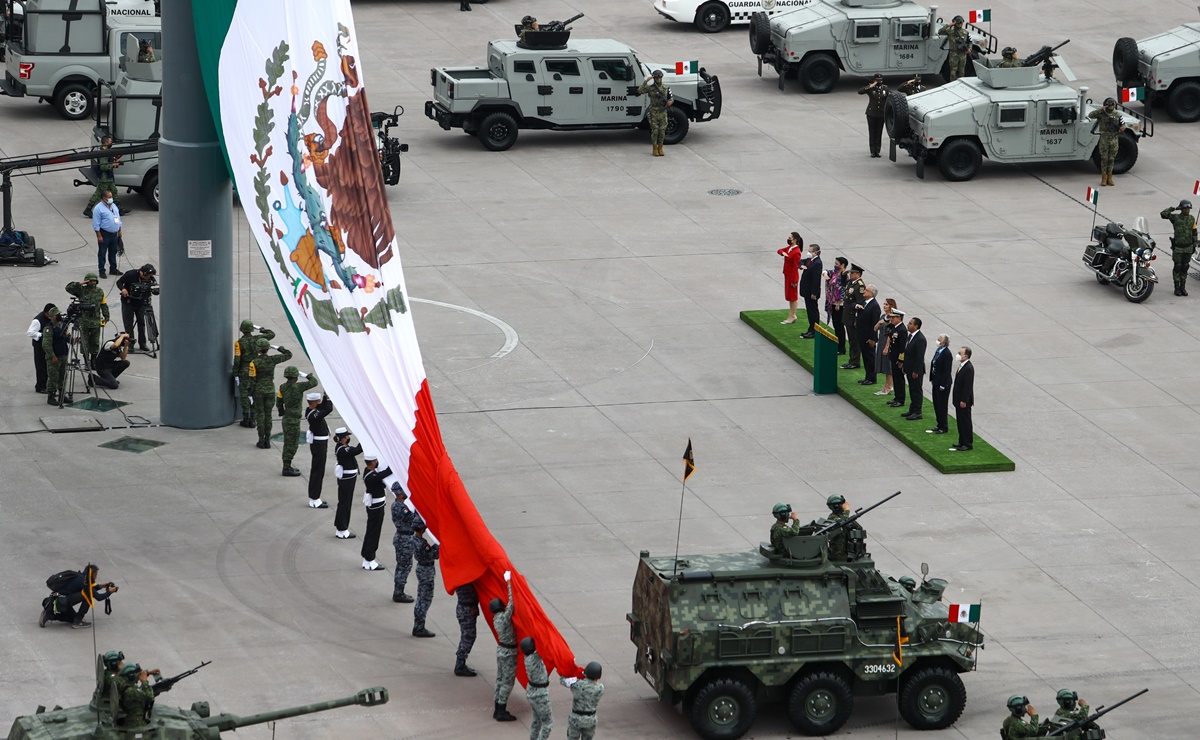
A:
(964, 612)
(687, 67)
(1093, 196)
(1132, 93)
(975, 16)
(1196, 188)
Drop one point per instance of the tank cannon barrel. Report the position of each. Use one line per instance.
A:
(366, 698)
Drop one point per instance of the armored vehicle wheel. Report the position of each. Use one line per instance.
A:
(498, 131)
(820, 703)
(677, 126)
(1102, 280)
(74, 101)
(723, 709)
(932, 699)
(1138, 289)
(1125, 60)
(39, 257)
(819, 73)
(1127, 154)
(959, 160)
(712, 17)
(760, 33)
(1183, 104)
(895, 115)
(150, 191)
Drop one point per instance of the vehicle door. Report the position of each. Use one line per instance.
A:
(567, 90)
(526, 85)
(610, 76)
(865, 50)
(907, 49)
(1056, 127)
(1012, 127)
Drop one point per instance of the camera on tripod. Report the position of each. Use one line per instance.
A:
(142, 290)
(76, 310)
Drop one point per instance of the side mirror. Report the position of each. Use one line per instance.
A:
(924, 569)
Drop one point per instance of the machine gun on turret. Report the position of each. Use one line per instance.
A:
(855, 537)
(858, 513)
(167, 684)
(1086, 724)
(1043, 57)
(560, 25)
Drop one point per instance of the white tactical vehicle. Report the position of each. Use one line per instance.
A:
(819, 41)
(551, 82)
(714, 16)
(1013, 115)
(1167, 66)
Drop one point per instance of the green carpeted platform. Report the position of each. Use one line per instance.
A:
(933, 447)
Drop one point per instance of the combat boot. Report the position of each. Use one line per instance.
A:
(422, 632)
(402, 598)
(290, 472)
(1110, 180)
(500, 713)
(462, 669)
(1183, 285)
(654, 150)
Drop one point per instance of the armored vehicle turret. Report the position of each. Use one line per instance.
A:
(721, 633)
(103, 720)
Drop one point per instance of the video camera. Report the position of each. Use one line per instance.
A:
(76, 310)
(143, 289)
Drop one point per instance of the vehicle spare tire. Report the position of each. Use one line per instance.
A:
(760, 33)
(1125, 60)
(895, 115)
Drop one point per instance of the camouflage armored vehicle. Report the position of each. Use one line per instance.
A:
(1167, 66)
(102, 719)
(722, 633)
(819, 41)
(1013, 115)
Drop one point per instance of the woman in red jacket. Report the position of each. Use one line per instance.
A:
(792, 255)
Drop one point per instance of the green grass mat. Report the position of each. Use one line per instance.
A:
(933, 447)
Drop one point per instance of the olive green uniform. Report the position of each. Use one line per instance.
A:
(262, 375)
(1009, 64)
(137, 699)
(105, 182)
(660, 97)
(90, 320)
(1183, 245)
(837, 538)
(1067, 716)
(290, 400)
(1016, 727)
(780, 530)
(55, 371)
(959, 42)
(1110, 128)
(243, 354)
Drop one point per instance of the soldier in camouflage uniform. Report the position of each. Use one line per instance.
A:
(585, 698)
(426, 555)
(781, 529)
(288, 402)
(467, 612)
(1015, 725)
(528, 23)
(243, 354)
(262, 376)
(506, 651)
(1070, 708)
(56, 344)
(137, 696)
(838, 510)
(104, 180)
(537, 691)
(405, 519)
(1010, 58)
(1109, 122)
(93, 314)
(960, 46)
(660, 100)
(1183, 243)
(855, 295)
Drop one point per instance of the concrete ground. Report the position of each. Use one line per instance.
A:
(623, 278)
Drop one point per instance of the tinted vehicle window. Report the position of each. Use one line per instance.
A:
(563, 67)
(616, 69)
(524, 67)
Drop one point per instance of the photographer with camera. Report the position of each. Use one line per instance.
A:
(71, 589)
(137, 288)
(111, 362)
(93, 313)
(56, 344)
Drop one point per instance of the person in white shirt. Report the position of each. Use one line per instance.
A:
(34, 332)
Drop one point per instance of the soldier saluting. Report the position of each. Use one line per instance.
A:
(877, 93)
(660, 100)
(1111, 126)
(1183, 243)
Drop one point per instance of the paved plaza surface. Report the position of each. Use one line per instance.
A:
(623, 279)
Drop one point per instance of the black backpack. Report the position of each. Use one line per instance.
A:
(61, 580)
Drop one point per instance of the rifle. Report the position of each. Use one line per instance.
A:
(168, 683)
(1042, 56)
(842, 523)
(560, 25)
(1080, 724)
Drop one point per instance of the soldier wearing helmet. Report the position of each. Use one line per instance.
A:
(781, 529)
(288, 400)
(528, 23)
(959, 42)
(262, 381)
(839, 509)
(506, 652)
(537, 690)
(1015, 725)
(1010, 58)
(137, 696)
(909, 583)
(1110, 125)
(243, 353)
(913, 86)
(1070, 708)
(659, 100)
(585, 698)
(1183, 242)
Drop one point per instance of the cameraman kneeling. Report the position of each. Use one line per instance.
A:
(111, 362)
(137, 286)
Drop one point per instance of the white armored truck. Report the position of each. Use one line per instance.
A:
(1167, 66)
(714, 16)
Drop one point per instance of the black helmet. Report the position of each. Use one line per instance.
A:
(528, 20)
(1109, 101)
(1009, 52)
(419, 526)
(1184, 204)
(496, 606)
(1067, 698)
(592, 671)
(528, 645)
(957, 19)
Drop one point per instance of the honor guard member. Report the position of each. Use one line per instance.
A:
(1015, 725)
(93, 314)
(659, 100)
(1183, 243)
(585, 698)
(346, 472)
(780, 529)
(877, 93)
(1010, 58)
(959, 42)
(1110, 125)
(319, 408)
(137, 696)
(528, 23)
(537, 691)
(243, 355)
(506, 652)
(374, 498)
(262, 377)
(913, 86)
(1070, 708)
(855, 296)
(404, 517)
(426, 555)
(466, 611)
(287, 400)
(56, 338)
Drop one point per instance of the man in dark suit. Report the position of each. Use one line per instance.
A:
(914, 368)
(868, 316)
(939, 380)
(897, 341)
(810, 289)
(964, 399)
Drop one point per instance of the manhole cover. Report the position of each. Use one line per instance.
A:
(132, 444)
(728, 192)
(61, 423)
(92, 403)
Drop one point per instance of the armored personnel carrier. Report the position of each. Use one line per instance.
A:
(723, 633)
(102, 719)
(1167, 66)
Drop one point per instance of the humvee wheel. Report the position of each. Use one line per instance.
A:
(820, 703)
(932, 699)
(760, 33)
(498, 131)
(677, 126)
(1125, 60)
(895, 115)
(1183, 104)
(959, 160)
(723, 710)
(819, 73)
(1127, 154)
(712, 17)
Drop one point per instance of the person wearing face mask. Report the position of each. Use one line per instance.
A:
(810, 289)
(964, 398)
(1110, 125)
(106, 222)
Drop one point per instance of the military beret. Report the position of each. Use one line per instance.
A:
(314, 396)
(369, 458)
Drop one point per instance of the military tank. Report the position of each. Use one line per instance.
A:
(101, 719)
(722, 633)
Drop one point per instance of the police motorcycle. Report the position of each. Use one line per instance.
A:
(388, 146)
(1122, 257)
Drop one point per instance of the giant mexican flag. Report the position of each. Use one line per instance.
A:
(298, 136)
